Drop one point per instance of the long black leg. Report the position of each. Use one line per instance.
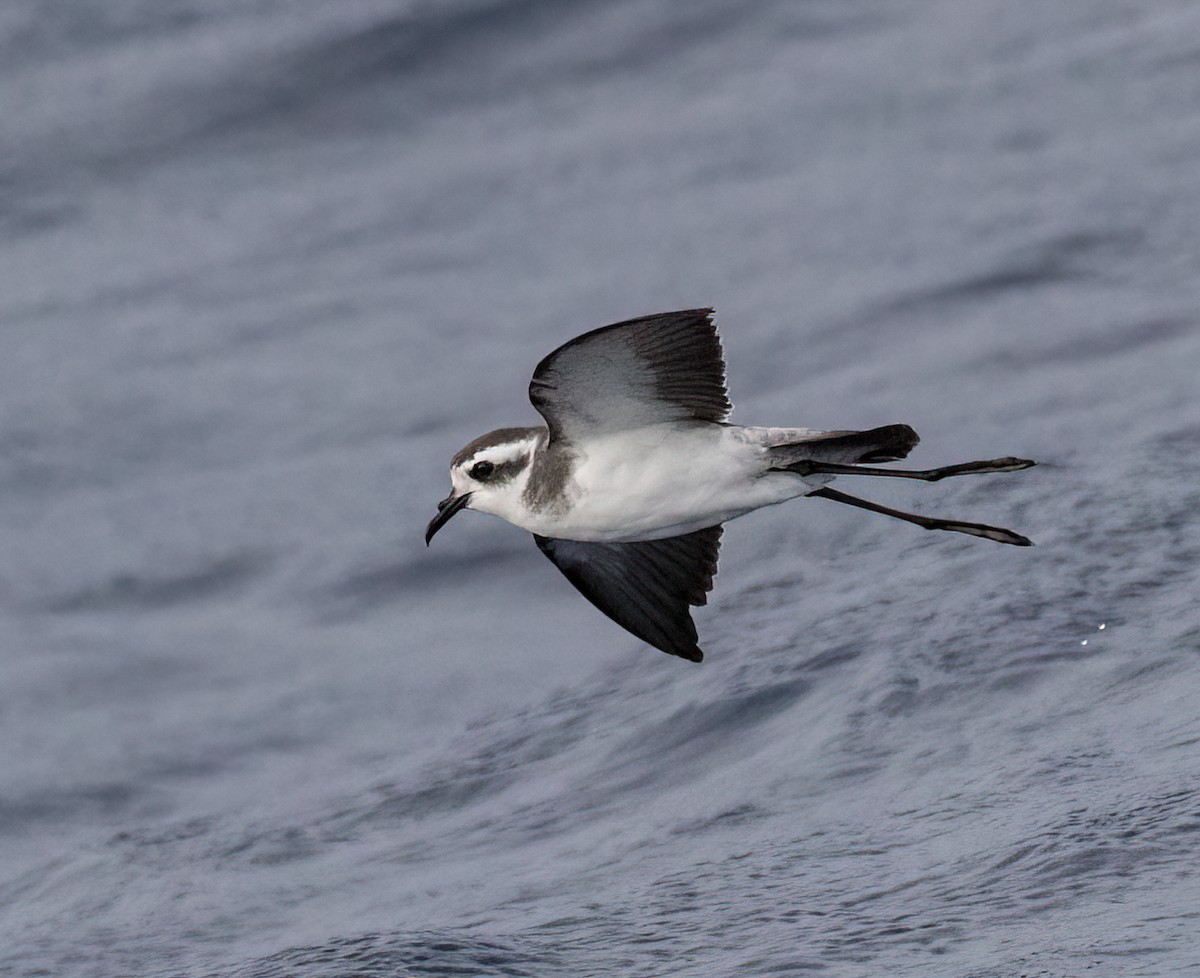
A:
(810, 467)
(997, 533)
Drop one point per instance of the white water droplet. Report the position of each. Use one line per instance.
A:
(1102, 627)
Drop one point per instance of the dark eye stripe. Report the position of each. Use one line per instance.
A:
(497, 472)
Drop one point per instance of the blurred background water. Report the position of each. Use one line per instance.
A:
(265, 265)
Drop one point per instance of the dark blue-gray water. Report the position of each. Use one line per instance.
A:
(264, 266)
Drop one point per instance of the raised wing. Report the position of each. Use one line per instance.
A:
(666, 367)
(645, 587)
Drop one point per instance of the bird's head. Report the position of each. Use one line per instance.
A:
(488, 475)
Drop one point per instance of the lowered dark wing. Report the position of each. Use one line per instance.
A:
(645, 587)
(667, 367)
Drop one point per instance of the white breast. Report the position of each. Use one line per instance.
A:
(662, 481)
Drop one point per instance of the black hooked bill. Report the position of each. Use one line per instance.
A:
(446, 508)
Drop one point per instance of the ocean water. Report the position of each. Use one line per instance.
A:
(264, 266)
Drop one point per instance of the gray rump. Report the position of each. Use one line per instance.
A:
(886, 444)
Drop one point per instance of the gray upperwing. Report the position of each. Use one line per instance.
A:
(645, 586)
(666, 367)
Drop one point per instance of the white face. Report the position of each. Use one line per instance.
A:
(494, 476)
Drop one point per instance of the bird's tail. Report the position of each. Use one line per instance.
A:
(886, 444)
